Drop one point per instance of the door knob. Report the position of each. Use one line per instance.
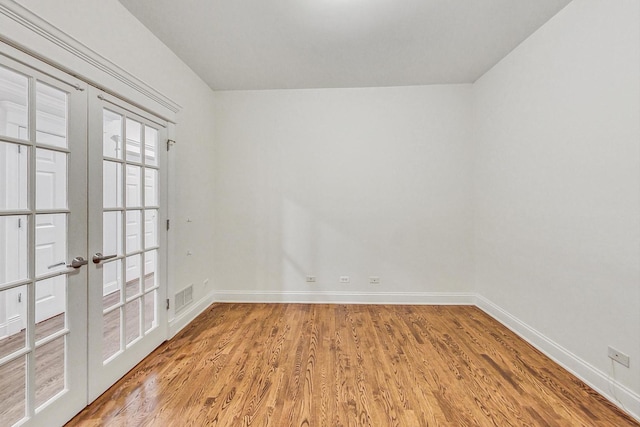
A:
(98, 257)
(78, 262)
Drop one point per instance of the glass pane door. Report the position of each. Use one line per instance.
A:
(43, 226)
(127, 167)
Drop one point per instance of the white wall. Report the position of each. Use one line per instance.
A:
(557, 188)
(108, 28)
(357, 182)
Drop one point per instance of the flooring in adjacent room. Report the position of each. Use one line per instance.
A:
(348, 365)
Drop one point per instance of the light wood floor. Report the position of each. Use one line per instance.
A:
(348, 365)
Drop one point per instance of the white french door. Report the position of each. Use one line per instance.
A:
(127, 238)
(43, 245)
(82, 240)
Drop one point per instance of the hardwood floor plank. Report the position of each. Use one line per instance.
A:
(348, 365)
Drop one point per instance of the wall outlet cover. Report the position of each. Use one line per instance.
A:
(619, 356)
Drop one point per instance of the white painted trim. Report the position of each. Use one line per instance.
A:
(66, 53)
(414, 298)
(616, 393)
(187, 315)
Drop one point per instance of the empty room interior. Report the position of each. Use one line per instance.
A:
(320, 212)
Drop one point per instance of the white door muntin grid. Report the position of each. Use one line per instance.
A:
(43, 221)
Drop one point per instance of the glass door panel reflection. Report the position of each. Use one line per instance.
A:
(150, 228)
(112, 233)
(112, 184)
(134, 141)
(14, 174)
(51, 179)
(50, 370)
(111, 342)
(14, 104)
(13, 402)
(51, 306)
(111, 283)
(13, 303)
(51, 243)
(51, 116)
(14, 263)
(134, 231)
(134, 187)
(112, 135)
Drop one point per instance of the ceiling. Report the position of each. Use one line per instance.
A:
(292, 44)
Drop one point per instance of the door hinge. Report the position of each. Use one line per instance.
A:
(170, 142)
(168, 224)
(167, 303)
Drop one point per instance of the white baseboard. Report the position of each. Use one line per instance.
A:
(188, 314)
(13, 325)
(617, 393)
(439, 298)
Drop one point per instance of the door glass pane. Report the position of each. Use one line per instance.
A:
(51, 306)
(134, 231)
(13, 176)
(12, 392)
(150, 263)
(112, 184)
(151, 146)
(51, 243)
(51, 116)
(111, 283)
(49, 370)
(134, 139)
(150, 228)
(111, 333)
(112, 233)
(150, 304)
(134, 190)
(133, 320)
(14, 263)
(133, 275)
(14, 95)
(150, 187)
(13, 315)
(112, 134)
(51, 179)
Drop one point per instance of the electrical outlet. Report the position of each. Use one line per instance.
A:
(344, 279)
(374, 280)
(311, 279)
(619, 356)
